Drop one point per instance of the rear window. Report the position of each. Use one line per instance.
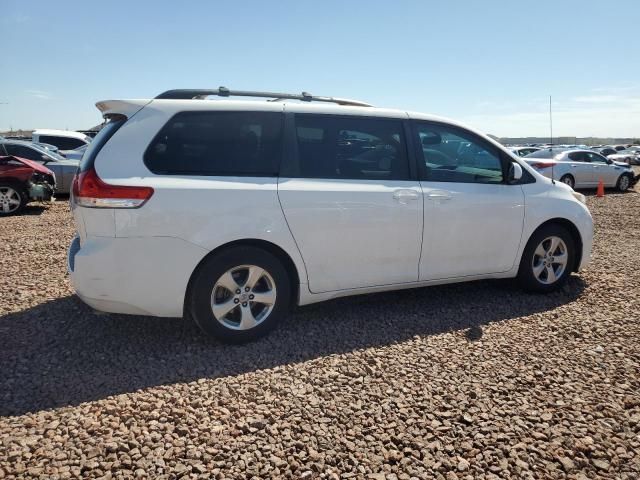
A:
(92, 150)
(218, 144)
(63, 143)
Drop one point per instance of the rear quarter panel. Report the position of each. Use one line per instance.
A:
(206, 211)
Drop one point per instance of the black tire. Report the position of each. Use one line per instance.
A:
(208, 274)
(526, 277)
(569, 180)
(22, 197)
(624, 182)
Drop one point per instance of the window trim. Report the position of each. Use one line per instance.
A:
(279, 155)
(505, 160)
(290, 167)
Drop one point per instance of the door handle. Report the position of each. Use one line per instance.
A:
(574, 166)
(439, 195)
(405, 194)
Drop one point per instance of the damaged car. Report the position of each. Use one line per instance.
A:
(23, 181)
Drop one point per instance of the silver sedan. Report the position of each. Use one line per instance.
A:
(581, 168)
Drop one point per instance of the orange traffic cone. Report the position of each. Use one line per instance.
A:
(600, 191)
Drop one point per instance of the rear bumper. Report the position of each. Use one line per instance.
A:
(138, 276)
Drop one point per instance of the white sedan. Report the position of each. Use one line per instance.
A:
(581, 168)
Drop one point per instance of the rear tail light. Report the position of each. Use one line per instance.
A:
(90, 191)
(541, 165)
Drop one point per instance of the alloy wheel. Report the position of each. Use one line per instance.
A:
(9, 200)
(550, 260)
(568, 180)
(623, 183)
(243, 297)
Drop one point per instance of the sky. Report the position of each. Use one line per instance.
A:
(491, 64)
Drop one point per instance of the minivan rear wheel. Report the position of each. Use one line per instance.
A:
(547, 260)
(239, 294)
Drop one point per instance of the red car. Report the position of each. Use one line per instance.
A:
(22, 181)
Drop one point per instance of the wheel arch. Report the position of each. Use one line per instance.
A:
(569, 175)
(14, 181)
(573, 231)
(270, 247)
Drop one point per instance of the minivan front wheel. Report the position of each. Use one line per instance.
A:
(239, 294)
(547, 260)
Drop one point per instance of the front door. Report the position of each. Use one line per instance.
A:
(609, 173)
(350, 204)
(580, 168)
(472, 219)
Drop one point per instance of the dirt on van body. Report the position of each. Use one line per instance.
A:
(476, 380)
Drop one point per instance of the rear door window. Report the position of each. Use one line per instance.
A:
(577, 157)
(353, 147)
(218, 144)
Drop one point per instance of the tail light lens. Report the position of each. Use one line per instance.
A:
(90, 191)
(541, 165)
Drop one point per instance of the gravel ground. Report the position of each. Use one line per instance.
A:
(469, 381)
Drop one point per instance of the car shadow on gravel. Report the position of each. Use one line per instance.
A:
(62, 353)
(31, 209)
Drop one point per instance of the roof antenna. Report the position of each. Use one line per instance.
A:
(553, 180)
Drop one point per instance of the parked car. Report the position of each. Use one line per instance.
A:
(581, 168)
(22, 181)
(46, 146)
(63, 168)
(523, 151)
(63, 139)
(631, 156)
(230, 211)
(605, 151)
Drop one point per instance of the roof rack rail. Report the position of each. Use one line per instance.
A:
(195, 94)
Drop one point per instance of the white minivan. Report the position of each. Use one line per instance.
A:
(230, 211)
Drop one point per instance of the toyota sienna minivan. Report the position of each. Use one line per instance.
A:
(230, 211)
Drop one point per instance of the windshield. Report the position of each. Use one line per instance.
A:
(49, 153)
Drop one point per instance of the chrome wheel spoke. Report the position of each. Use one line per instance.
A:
(540, 251)
(555, 241)
(255, 274)
(266, 298)
(537, 270)
(247, 320)
(551, 274)
(220, 310)
(561, 258)
(227, 281)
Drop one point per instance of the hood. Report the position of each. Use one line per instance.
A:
(621, 164)
(35, 165)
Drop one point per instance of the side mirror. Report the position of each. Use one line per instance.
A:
(515, 173)
(609, 161)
